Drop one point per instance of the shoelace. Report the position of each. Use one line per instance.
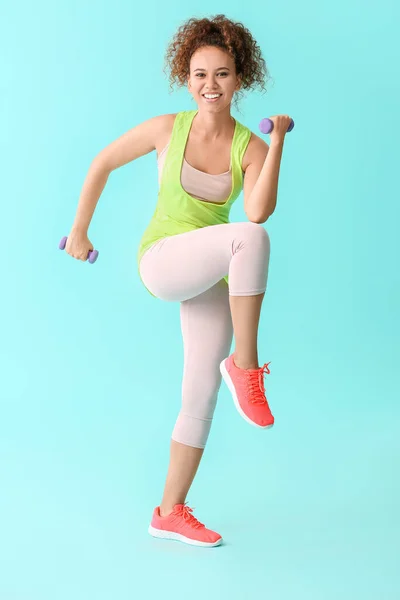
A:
(256, 384)
(184, 512)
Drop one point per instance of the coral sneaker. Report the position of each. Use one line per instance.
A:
(248, 391)
(181, 525)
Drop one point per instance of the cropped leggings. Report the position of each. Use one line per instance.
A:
(190, 268)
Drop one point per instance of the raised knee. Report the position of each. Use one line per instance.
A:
(256, 231)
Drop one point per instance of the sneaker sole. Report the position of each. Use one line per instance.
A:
(171, 535)
(232, 390)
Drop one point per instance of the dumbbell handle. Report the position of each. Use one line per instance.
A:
(92, 256)
(266, 125)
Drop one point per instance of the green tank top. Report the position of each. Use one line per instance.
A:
(178, 212)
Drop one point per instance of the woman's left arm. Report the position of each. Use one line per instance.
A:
(261, 177)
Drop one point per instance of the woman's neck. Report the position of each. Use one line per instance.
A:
(211, 126)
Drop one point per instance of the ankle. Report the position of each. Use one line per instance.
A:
(165, 511)
(245, 364)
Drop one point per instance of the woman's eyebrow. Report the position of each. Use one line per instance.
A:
(225, 68)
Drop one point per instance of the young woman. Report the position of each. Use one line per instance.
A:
(190, 252)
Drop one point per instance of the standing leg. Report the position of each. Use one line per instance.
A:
(183, 464)
(207, 336)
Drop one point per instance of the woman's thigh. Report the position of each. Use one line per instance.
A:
(180, 267)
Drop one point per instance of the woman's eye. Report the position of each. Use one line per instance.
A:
(222, 73)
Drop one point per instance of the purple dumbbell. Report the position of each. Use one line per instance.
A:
(92, 256)
(266, 125)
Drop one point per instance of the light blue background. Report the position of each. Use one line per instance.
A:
(91, 364)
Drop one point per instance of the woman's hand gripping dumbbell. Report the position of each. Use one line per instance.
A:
(79, 246)
(277, 126)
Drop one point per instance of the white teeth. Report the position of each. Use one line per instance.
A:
(211, 96)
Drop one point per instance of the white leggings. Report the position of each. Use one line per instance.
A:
(190, 268)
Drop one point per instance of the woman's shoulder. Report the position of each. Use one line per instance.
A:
(167, 120)
(165, 130)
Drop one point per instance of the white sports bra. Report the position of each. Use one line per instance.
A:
(210, 188)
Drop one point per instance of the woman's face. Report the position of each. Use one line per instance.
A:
(212, 71)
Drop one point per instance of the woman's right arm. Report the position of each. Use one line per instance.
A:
(136, 142)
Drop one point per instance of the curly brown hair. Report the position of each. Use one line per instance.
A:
(219, 31)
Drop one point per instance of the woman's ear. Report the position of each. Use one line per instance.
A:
(189, 87)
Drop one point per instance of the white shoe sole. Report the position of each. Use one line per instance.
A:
(171, 535)
(232, 390)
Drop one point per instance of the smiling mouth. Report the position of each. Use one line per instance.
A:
(212, 100)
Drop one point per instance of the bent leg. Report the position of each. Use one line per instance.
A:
(183, 266)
